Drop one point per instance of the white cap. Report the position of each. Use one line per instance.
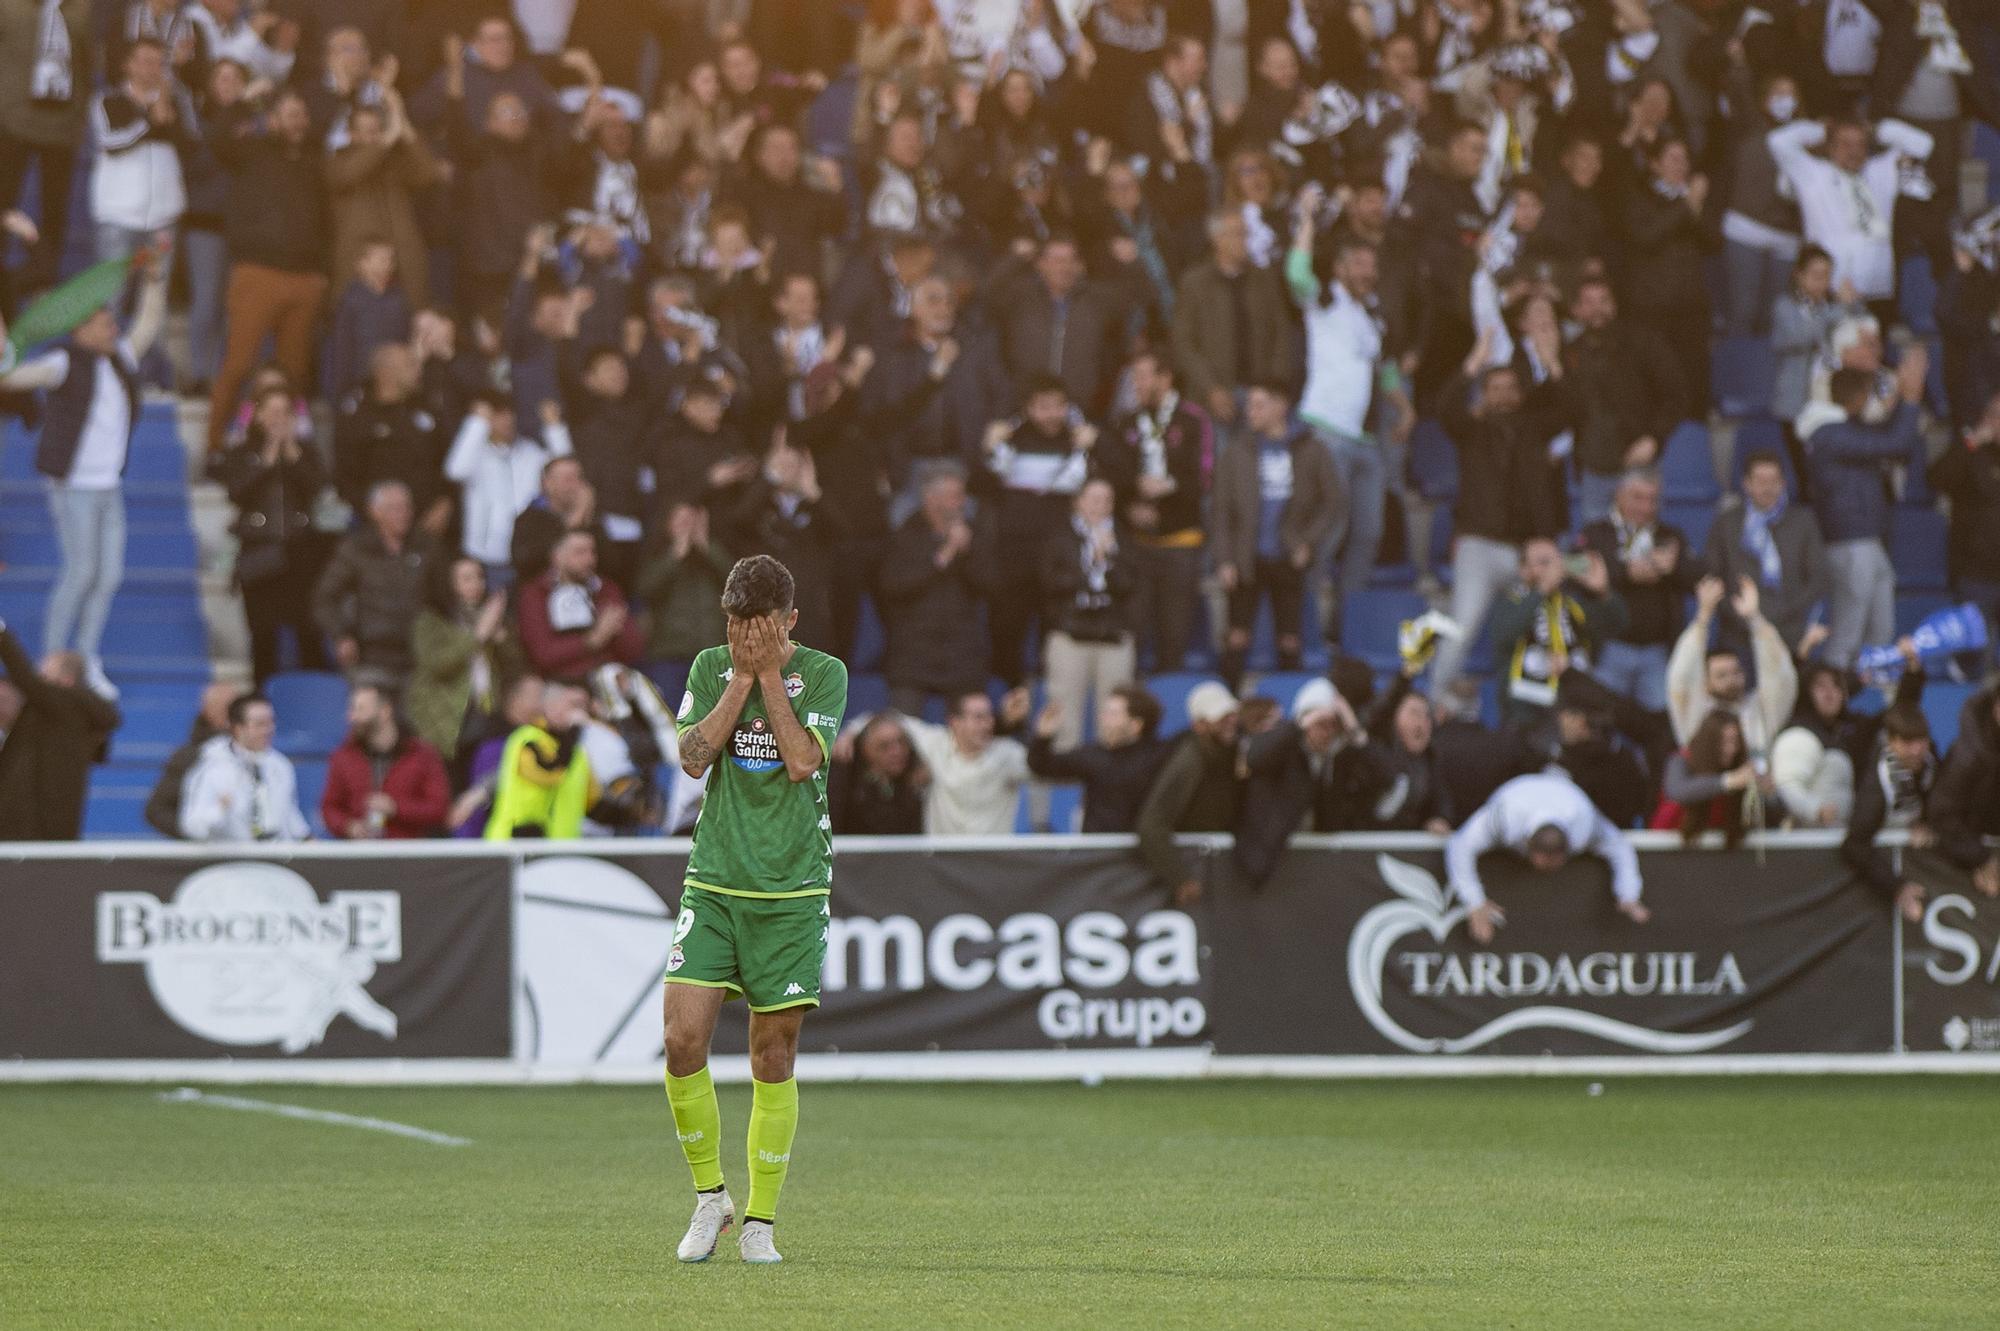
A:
(1210, 701)
(1315, 695)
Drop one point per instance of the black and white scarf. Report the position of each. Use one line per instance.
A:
(1095, 556)
(53, 81)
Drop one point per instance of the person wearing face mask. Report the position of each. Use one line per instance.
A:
(1760, 229)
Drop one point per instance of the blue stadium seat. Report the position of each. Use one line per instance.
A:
(1913, 607)
(1687, 467)
(866, 694)
(115, 806)
(1172, 690)
(1694, 520)
(1742, 374)
(312, 711)
(1281, 686)
(1065, 810)
(1370, 623)
(311, 774)
(1433, 461)
(1761, 434)
(1917, 548)
(1943, 701)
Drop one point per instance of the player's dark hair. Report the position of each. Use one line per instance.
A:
(1141, 706)
(759, 585)
(239, 710)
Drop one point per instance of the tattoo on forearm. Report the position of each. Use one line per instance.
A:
(696, 749)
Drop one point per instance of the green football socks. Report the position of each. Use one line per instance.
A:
(774, 1118)
(698, 1120)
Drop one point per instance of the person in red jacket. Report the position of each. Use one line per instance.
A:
(383, 781)
(573, 621)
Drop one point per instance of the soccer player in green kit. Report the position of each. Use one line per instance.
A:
(760, 717)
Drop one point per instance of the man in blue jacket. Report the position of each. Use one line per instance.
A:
(1851, 461)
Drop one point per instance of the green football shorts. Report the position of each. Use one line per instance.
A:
(766, 950)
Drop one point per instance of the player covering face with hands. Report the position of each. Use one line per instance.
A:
(759, 719)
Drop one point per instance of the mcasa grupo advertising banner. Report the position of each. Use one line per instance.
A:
(315, 956)
(1069, 947)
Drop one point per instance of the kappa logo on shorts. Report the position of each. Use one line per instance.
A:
(794, 989)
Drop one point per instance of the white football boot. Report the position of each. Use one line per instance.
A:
(713, 1214)
(756, 1245)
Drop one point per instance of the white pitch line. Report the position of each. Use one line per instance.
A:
(188, 1095)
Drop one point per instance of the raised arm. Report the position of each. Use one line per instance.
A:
(803, 752)
(702, 741)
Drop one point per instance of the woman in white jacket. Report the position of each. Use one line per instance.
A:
(242, 789)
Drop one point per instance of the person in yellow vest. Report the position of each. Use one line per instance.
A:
(545, 785)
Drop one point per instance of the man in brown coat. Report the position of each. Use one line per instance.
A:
(1276, 498)
(372, 181)
(1232, 324)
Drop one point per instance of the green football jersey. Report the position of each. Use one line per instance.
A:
(760, 832)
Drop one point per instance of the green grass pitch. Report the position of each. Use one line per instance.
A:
(1782, 1202)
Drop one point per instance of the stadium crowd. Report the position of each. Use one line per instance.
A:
(1070, 341)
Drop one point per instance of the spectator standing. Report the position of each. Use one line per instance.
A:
(48, 67)
(940, 570)
(1775, 542)
(1117, 771)
(92, 409)
(242, 789)
(1510, 487)
(163, 806)
(1344, 351)
(1053, 320)
(1628, 391)
(1276, 501)
(374, 586)
(1802, 324)
(611, 431)
(567, 503)
(1230, 327)
(277, 250)
(1760, 228)
(975, 777)
(1669, 232)
(500, 471)
(1552, 624)
(55, 729)
(572, 621)
(1035, 465)
(143, 127)
(383, 782)
(1968, 473)
(1159, 460)
(1850, 461)
(780, 515)
(383, 431)
(1965, 803)
(1086, 591)
(373, 181)
(1394, 780)
(936, 391)
(465, 653)
(680, 583)
(1847, 198)
(274, 479)
(1701, 679)
(372, 313)
(1545, 820)
(1652, 572)
(1197, 790)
